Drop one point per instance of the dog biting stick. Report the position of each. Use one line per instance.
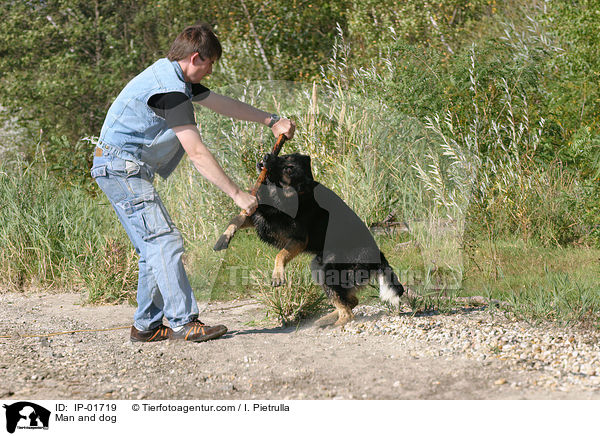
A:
(236, 222)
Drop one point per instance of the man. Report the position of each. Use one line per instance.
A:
(147, 130)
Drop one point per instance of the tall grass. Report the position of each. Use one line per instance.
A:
(483, 174)
(55, 236)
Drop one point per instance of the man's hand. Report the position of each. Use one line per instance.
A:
(246, 202)
(284, 127)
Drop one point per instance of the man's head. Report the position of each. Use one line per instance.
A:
(198, 38)
(196, 49)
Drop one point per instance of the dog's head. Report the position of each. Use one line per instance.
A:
(289, 179)
(290, 171)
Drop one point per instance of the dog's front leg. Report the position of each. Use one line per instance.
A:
(291, 250)
(239, 221)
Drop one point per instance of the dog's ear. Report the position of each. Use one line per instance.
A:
(306, 167)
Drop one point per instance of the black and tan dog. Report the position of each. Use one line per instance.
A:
(297, 214)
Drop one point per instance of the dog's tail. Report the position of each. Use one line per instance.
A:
(390, 288)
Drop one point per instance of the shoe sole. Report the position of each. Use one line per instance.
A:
(142, 340)
(204, 338)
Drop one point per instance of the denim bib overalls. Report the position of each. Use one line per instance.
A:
(136, 143)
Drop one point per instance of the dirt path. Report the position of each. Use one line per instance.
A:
(254, 360)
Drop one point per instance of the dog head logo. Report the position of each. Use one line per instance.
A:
(26, 415)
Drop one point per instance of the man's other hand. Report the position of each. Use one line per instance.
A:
(284, 127)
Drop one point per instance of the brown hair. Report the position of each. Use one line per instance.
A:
(197, 38)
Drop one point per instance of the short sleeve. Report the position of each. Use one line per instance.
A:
(175, 107)
(199, 92)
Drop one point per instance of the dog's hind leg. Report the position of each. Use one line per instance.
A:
(292, 249)
(328, 319)
(343, 310)
(352, 301)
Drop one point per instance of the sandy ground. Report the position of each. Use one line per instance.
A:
(255, 360)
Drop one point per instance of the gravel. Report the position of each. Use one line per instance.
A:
(563, 357)
(468, 354)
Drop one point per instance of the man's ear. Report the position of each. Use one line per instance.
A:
(193, 57)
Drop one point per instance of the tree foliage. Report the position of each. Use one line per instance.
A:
(62, 62)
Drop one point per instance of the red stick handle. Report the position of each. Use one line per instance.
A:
(263, 173)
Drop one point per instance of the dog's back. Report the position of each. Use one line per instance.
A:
(342, 235)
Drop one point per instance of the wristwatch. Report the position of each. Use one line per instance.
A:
(274, 119)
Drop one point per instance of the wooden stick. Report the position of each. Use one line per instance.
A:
(236, 222)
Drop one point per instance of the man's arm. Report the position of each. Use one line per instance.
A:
(232, 108)
(244, 112)
(210, 169)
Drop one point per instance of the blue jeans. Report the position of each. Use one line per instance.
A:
(163, 285)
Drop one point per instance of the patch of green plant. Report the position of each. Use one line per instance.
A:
(246, 272)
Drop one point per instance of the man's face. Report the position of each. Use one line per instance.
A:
(199, 68)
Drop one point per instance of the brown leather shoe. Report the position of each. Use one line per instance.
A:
(160, 333)
(197, 331)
